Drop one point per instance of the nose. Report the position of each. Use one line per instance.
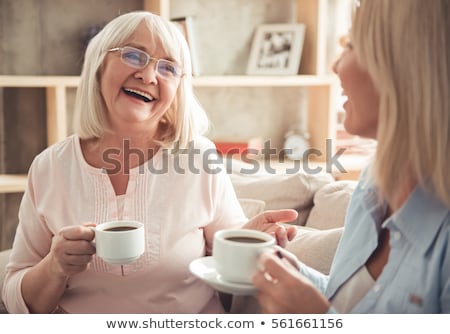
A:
(147, 74)
(343, 40)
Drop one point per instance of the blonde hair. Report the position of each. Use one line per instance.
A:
(185, 118)
(405, 47)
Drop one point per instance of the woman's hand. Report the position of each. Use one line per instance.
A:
(72, 250)
(283, 289)
(70, 253)
(268, 221)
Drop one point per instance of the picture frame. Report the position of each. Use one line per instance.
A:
(185, 24)
(276, 49)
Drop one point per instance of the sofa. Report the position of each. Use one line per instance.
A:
(320, 200)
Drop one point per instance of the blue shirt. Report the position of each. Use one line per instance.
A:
(416, 277)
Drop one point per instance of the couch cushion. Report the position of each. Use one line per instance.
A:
(330, 205)
(278, 191)
(251, 206)
(315, 248)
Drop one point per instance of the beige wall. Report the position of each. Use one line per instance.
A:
(38, 37)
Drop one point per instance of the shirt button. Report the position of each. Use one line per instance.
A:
(397, 235)
(377, 288)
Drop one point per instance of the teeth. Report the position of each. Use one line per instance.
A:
(147, 96)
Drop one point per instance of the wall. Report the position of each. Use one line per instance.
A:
(223, 31)
(38, 37)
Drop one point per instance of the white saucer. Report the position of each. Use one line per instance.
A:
(204, 268)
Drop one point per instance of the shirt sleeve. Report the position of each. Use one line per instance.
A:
(32, 242)
(445, 278)
(228, 212)
(319, 280)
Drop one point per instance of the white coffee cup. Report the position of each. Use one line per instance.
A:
(120, 242)
(236, 253)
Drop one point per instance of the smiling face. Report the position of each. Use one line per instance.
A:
(136, 99)
(361, 107)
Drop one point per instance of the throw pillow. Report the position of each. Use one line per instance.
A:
(330, 205)
(315, 248)
(251, 206)
(278, 191)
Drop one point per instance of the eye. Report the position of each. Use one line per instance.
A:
(344, 42)
(134, 57)
(168, 68)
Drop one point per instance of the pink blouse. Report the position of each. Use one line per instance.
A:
(181, 199)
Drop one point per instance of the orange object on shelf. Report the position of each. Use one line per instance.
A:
(231, 147)
(252, 146)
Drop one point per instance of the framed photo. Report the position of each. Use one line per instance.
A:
(185, 24)
(276, 49)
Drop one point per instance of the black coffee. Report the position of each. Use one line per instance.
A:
(248, 240)
(120, 228)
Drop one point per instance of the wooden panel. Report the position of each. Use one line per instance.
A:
(321, 122)
(262, 81)
(313, 14)
(38, 81)
(12, 183)
(56, 114)
(161, 7)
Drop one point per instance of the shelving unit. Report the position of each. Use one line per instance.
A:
(56, 87)
(320, 87)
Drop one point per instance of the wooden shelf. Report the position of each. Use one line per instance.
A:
(200, 81)
(12, 183)
(55, 87)
(263, 81)
(38, 81)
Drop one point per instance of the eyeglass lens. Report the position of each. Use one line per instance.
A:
(139, 59)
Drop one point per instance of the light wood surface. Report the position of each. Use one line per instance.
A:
(12, 183)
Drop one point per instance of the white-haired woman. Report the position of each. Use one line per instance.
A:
(394, 255)
(137, 153)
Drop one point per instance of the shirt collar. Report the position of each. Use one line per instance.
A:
(420, 218)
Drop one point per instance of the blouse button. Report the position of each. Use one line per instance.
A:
(397, 235)
(377, 288)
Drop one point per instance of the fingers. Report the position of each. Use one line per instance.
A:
(287, 257)
(271, 271)
(72, 249)
(291, 232)
(282, 289)
(284, 234)
(78, 233)
(278, 216)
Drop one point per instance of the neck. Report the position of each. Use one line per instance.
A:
(402, 194)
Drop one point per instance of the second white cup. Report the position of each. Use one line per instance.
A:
(236, 253)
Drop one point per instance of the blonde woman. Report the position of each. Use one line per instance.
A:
(138, 153)
(394, 256)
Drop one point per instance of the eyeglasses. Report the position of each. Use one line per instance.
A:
(139, 59)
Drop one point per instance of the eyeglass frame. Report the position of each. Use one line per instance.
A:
(149, 59)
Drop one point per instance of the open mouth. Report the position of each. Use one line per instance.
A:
(138, 95)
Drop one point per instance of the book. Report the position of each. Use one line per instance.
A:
(185, 24)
